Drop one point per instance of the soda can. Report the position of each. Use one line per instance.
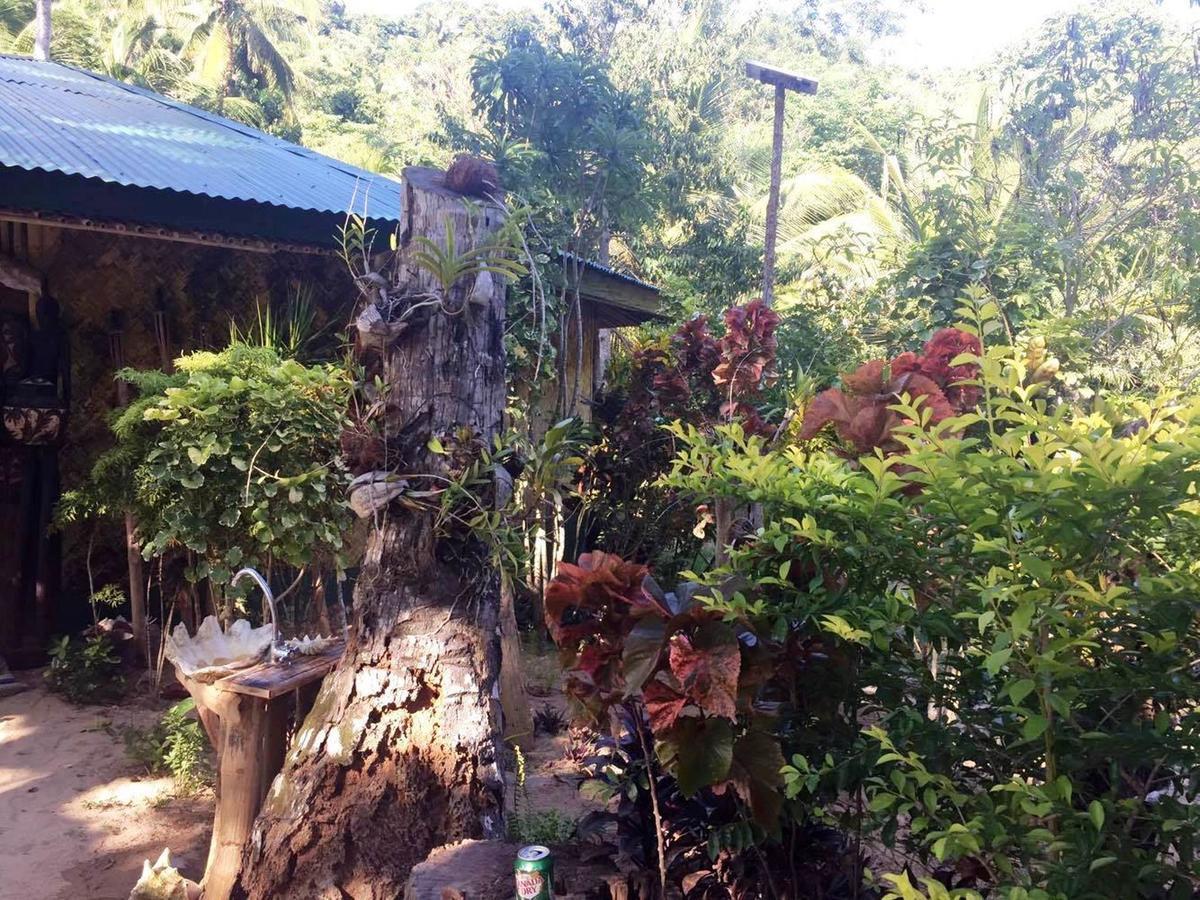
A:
(534, 871)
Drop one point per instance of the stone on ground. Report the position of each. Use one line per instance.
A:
(483, 870)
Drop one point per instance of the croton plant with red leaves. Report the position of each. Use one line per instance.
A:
(701, 377)
(860, 410)
(623, 640)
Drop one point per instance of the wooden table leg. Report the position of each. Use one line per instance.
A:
(249, 733)
(275, 734)
(240, 773)
(241, 724)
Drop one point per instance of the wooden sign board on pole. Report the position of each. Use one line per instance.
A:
(783, 81)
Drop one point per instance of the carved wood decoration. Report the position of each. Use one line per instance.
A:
(20, 276)
(35, 398)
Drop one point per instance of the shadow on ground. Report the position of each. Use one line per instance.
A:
(76, 816)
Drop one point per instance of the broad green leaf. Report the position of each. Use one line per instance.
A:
(1034, 727)
(1020, 689)
(882, 801)
(997, 660)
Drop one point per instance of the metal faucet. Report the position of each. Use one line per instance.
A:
(266, 589)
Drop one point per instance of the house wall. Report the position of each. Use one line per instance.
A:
(107, 283)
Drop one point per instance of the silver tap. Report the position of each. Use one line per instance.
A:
(266, 589)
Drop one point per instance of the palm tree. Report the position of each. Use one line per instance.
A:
(243, 37)
(42, 30)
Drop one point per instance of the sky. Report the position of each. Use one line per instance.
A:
(948, 34)
(963, 33)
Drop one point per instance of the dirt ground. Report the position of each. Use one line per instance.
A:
(77, 818)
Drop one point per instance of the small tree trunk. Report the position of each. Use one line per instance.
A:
(518, 716)
(133, 547)
(400, 752)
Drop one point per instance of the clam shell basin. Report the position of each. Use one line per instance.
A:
(213, 653)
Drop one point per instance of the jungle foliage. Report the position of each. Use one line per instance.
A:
(968, 625)
(952, 651)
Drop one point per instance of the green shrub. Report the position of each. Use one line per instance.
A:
(85, 671)
(992, 631)
(175, 745)
(234, 457)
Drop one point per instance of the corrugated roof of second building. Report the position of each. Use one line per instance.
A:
(60, 119)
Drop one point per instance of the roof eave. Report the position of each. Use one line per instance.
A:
(76, 201)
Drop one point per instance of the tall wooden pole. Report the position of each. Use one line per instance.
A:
(773, 198)
(783, 82)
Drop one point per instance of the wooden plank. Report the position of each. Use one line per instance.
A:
(270, 680)
(239, 792)
(760, 71)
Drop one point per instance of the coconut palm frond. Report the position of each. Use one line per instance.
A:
(811, 198)
(213, 58)
(15, 17)
(242, 110)
(266, 61)
(198, 28)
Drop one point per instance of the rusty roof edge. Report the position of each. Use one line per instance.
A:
(611, 272)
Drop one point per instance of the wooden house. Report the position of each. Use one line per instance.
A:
(133, 228)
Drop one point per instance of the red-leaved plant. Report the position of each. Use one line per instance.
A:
(703, 379)
(860, 410)
(623, 640)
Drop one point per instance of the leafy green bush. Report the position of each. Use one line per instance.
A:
(990, 622)
(176, 744)
(85, 671)
(234, 458)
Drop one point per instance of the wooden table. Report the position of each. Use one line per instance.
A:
(246, 717)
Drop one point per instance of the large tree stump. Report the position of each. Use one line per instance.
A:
(400, 752)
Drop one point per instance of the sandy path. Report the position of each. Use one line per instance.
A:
(76, 818)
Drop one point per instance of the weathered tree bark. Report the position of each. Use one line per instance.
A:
(400, 752)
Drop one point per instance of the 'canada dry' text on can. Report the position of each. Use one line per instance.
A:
(534, 870)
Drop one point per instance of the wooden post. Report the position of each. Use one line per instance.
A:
(773, 198)
(133, 549)
(245, 716)
(783, 82)
(518, 717)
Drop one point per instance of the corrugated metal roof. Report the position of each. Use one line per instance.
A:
(60, 119)
(610, 272)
